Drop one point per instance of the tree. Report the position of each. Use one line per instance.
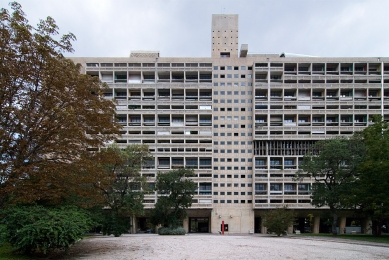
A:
(51, 115)
(175, 191)
(371, 189)
(333, 167)
(124, 197)
(278, 220)
(40, 229)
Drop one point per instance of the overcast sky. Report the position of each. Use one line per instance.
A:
(179, 28)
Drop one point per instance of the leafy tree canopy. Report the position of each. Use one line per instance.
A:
(371, 190)
(124, 196)
(278, 220)
(50, 113)
(175, 191)
(333, 166)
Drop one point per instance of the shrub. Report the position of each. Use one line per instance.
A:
(278, 220)
(39, 229)
(171, 231)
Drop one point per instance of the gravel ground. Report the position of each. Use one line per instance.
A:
(208, 246)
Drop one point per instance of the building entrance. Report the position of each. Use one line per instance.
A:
(198, 225)
(257, 224)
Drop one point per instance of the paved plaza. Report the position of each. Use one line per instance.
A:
(208, 246)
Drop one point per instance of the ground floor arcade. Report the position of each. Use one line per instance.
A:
(243, 220)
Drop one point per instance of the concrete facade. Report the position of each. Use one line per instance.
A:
(242, 121)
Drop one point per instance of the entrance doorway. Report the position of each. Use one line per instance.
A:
(143, 225)
(198, 225)
(257, 224)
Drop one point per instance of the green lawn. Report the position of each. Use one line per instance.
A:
(367, 238)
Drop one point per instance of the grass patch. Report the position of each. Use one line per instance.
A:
(6, 252)
(359, 237)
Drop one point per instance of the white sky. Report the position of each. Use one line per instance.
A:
(179, 28)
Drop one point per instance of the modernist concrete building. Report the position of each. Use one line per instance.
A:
(242, 121)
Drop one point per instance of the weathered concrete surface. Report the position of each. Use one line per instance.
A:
(196, 246)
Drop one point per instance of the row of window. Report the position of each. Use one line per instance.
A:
(228, 193)
(235, 84)
(229, 109)
(230, 160)
(229, 101)
(231, 68)
(235, 201)
(230, 126)
(232, 151)
(230, 168)
(230, 142)
(229, 93)
(230, 76)
(230, 134)
(235, 184)
(148, 65)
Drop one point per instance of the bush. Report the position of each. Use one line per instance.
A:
(278, 220)
(171, 231)
(115, 224)
(39, 229)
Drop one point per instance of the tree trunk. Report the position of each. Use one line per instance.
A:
(376, 228)
(334, 221)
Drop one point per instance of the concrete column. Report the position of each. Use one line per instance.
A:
(290, 230)
(366, 226)
(133, 225)
(342, 225)
(185, 224)
(263, 229)
(316, 225)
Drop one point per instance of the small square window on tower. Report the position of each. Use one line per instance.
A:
(224, 55)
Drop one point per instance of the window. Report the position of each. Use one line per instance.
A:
(275, 187)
